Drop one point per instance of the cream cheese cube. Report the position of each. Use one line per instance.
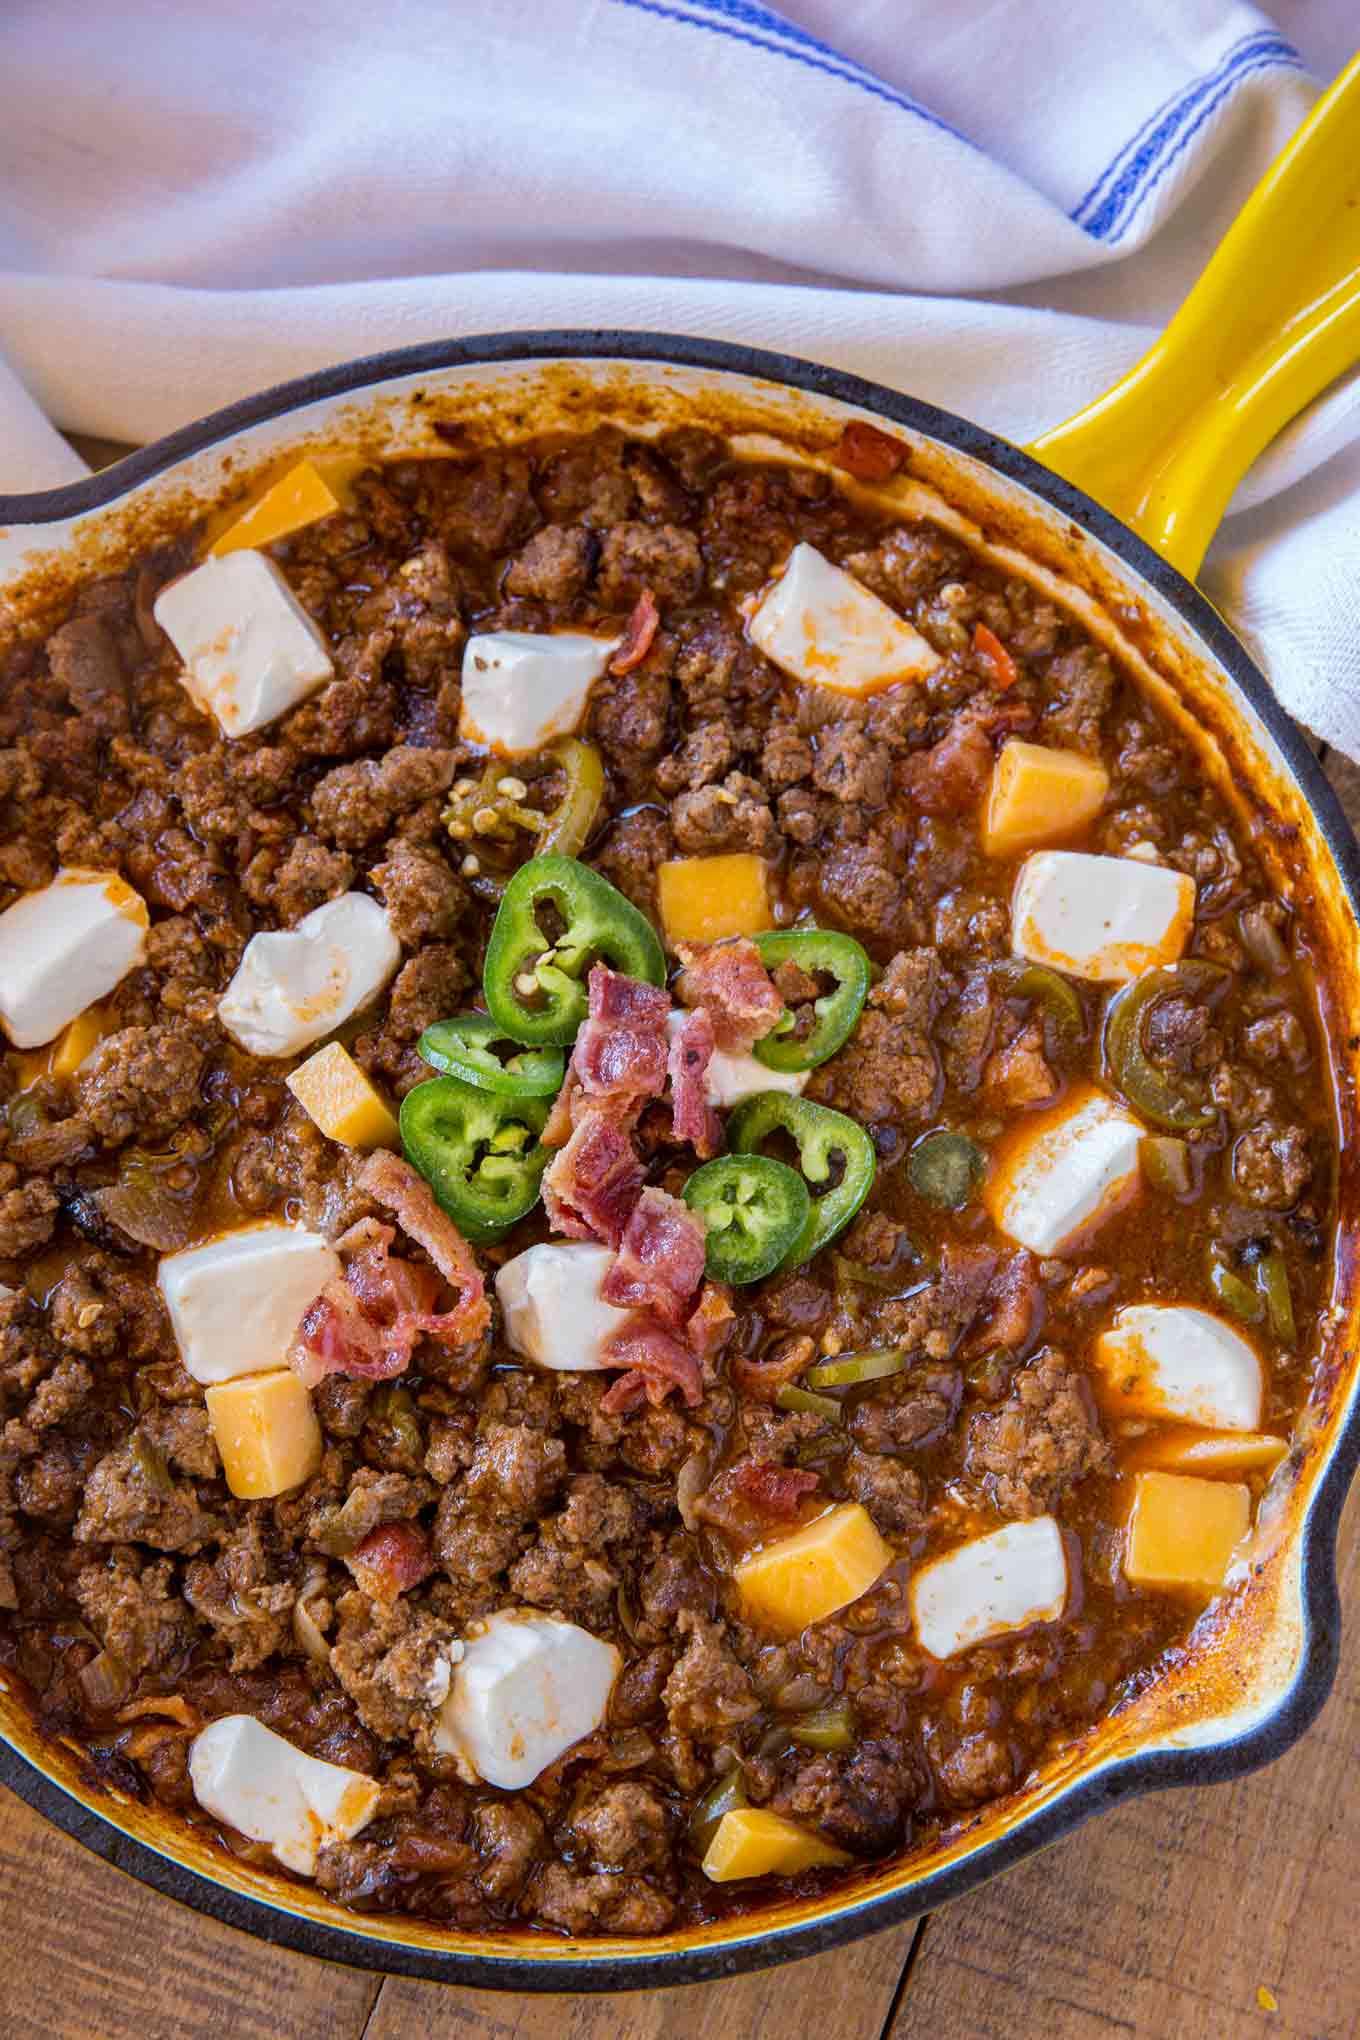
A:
(260, 1784)
(528, 1686)
(1065, 1172)
(250, 650)
(236, 1303)
(1171, 1360)
(1007, 1580)
(554, 1313)
(730, 1078)
(1107, 918)
(293, 985)
(522, 688)
(64, 947)
(826, 628)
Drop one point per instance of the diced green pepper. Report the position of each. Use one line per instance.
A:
(822, 1138)
(945, 1168)
(826, 1728)
(534, 982)
(1272, 1277)
(1148, 1089)
(479, 1153)
(462, 1047)
(819, 952)
(725, 1797)
(1233, 1293)
(753, 1210)
(1166, 1164)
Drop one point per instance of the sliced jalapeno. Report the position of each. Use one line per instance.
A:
(805, 1402)
(820, 952)
(945, 1168)
(1043, 987)
(822, 1138)
(567, 828)
(462, 1047)
(478, 1152)
(535, 982)
(753, 1210)
(1148, 1089)
(847, 1370)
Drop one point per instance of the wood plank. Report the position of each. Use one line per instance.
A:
(849, 1994)
(87, 1953)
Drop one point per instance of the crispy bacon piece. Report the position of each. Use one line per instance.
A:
(654, 1361)
(367, 1320)
(391, 1559)
(638, 634)
(692, 1117)
(409, 1197)
(950, 777)
(731, 983)
(994, 655)
(592, 1184)
(868, 454)
(660, 1262)
(620, 1057)
(775, 1490)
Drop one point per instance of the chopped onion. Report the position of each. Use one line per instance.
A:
(1263, 941)
(306, 1631)
(105, 1681)
(141, 1206)
(173, 1705)
(690, 1483)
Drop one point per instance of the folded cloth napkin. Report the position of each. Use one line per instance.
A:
(989, 203)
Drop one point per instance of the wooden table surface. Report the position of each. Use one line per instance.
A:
(1200, 1914)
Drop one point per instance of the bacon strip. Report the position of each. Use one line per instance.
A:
(620, 1056)
(654, 1362)
(638, 634)
(592, 1184)
(868, 454)
(409, 1197)
(692, 1117)
(729, 980)
(660, 1262)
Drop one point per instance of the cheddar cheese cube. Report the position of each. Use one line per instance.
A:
(823, 1567)
(1039, 795)
(298, 498)
(345, 1105)
(1212, 1453)
(266, 1432)
(702, 899)
(750, 1841)
(1182, 1531)
(76, 1040)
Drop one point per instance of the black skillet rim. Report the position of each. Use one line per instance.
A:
(760, 1947)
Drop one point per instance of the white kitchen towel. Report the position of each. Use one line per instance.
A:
(989, 203)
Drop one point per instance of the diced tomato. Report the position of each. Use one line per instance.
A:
(990, 649)
(870, 455)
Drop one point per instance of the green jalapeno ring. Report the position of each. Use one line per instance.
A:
(835, 1013)
(479, 1153)
(945, 1168)
(1127, 1063)
(1041, 986)
(462, 1047)
(535, 988)
(753, 1209)
(820, 1135)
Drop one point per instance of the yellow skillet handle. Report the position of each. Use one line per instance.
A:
(1273, 319)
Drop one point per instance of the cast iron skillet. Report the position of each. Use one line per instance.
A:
(1257, 1693)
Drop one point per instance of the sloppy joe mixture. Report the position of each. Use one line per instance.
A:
(664, 1187)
